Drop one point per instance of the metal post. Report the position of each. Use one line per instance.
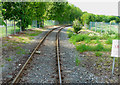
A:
(113, 65)
(101, 26)
(95, 26)
(14, 28)
(6, 28)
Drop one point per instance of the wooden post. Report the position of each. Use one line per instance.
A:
(20, 27)
(6, 28)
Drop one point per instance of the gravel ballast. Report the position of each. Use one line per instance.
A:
(43, 67)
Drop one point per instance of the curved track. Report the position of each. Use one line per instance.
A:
(57, 46)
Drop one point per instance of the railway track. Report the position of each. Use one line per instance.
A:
(58, 64)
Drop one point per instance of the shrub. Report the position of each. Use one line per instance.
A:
(110, 32)
(112, 22)
(76, 25)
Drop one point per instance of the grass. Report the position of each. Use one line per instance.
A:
(98, 54)
(77, 61)
(92, 42)
(10, 30)
(98, 47)
(109, 41)
(20, 51)
(36, 33)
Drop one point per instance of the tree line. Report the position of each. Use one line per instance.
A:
(25, 12)
(86, 18)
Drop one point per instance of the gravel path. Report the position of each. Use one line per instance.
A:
(43, 67)
(71, 72)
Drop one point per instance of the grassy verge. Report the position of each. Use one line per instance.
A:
(96, 48)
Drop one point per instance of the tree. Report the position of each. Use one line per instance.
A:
(18, 11)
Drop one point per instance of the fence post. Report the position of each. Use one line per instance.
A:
(6, 28)
(101, 26)
(90, 26)
(14, 28)
(110, 26)
(95, 26)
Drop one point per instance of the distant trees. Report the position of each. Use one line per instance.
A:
(25, 12)
(88, 17)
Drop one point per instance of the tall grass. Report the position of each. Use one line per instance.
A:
(84, 47)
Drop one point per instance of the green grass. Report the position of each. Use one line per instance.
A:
(109, 41)
(83, 47)
(77, 61)
(36, 33)
(98, 54)
(10, 30)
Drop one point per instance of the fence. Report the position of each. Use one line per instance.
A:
(103, 27)
(12, 28)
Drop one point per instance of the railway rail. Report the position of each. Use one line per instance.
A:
(21, 72)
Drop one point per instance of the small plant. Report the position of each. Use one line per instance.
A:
(98, 54)
(69, 34)
(2, 65)
(8, 59)
(76, 25)
(109, 41)
(77, 61)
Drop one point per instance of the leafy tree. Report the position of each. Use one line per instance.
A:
(18, 11)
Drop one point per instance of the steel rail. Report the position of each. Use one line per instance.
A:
(58, 56)
(18, 76)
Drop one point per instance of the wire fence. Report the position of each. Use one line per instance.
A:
(103, 27)
(12, 28)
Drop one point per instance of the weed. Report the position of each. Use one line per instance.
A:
(2, 65)
(98, 54)
(8, 59)
(77, 61)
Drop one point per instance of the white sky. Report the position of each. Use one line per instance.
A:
(104, 7)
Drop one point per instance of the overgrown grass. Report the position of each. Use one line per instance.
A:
(109, 41)
(98, 47)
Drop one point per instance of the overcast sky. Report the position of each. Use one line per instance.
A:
(104, 7)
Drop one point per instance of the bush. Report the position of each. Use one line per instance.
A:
(110, 32)
(76, 25)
